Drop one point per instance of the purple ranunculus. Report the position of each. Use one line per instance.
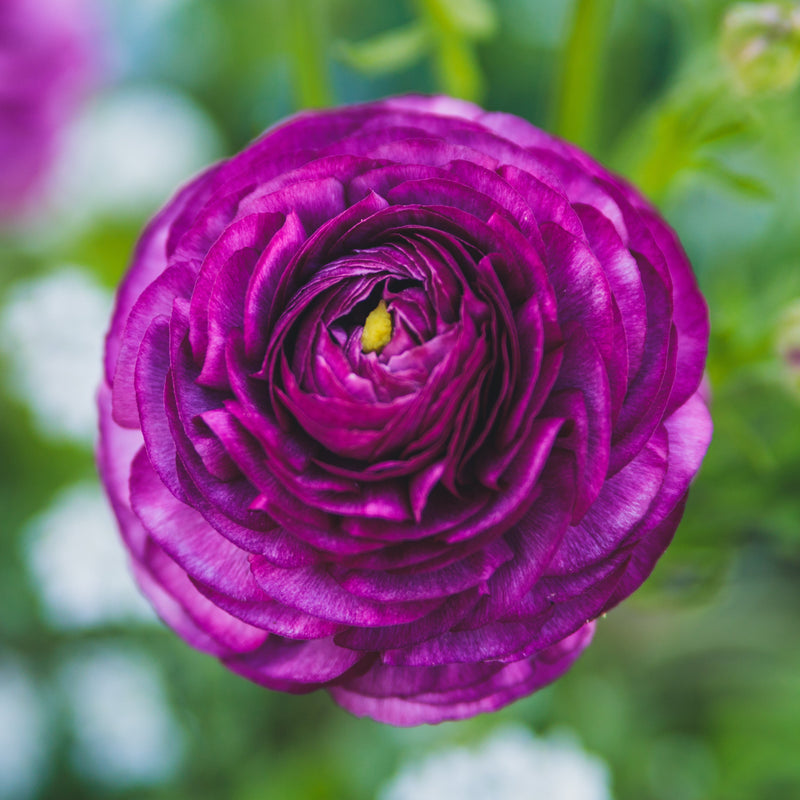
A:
(397, 401)
(46, 62)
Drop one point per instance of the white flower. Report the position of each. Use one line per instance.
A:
(51, 329)
(130, 150)
(78, 564)
(509, 765)
(124, 732)
(23, 733)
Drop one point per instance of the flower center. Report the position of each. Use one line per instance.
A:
(377, 331)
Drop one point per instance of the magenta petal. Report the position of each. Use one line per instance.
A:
(188, 539)
(195, 632)
(689, 431)
(197, 613)
(116, 450)
(157, 300)
(272, 617)
(294, 666)
(623, 502)
(442, 618)
(582, 396)
(266, 275)
(690, 313)
(512, 682)
(471, 571)
(150, 260)
(314, 591)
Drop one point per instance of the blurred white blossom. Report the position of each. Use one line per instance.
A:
(130, 150)
(23, 733)
(511, 764)
(51, 330)
(123, 730)
(78, 564)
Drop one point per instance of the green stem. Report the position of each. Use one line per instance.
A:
(657, 170)
(307, 48)
(578, 92)
(455, 63)
(666, 140)
(457, 69)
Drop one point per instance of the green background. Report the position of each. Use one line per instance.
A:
(691, 690)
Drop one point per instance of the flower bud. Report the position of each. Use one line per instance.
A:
(761, 44)
(788, 342)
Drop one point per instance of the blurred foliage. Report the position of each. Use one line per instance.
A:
(444, 32)
(578, 99)
(691, 690)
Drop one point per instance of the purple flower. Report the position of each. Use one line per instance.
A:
(397, 401)
(46, 53)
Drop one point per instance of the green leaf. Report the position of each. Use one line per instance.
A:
(458, 71)
(747, 185)
(725, 130)
(475, 19)
(388, 52)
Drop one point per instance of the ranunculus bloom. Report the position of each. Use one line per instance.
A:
(397, 401)
(46, 54)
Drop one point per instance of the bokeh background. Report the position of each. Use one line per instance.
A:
(691, 690)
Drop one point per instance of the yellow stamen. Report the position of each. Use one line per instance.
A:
(377, 331)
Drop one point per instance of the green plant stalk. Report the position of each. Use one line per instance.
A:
(658, 165)
(675, 134)
(456, 66)
(579, 90)
(307, 49)
(457, 69)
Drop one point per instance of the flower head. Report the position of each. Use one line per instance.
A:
(46, 54)
(761, 43)
(397, 401)
(788, 344)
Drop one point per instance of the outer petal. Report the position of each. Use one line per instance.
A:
(503, 687)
